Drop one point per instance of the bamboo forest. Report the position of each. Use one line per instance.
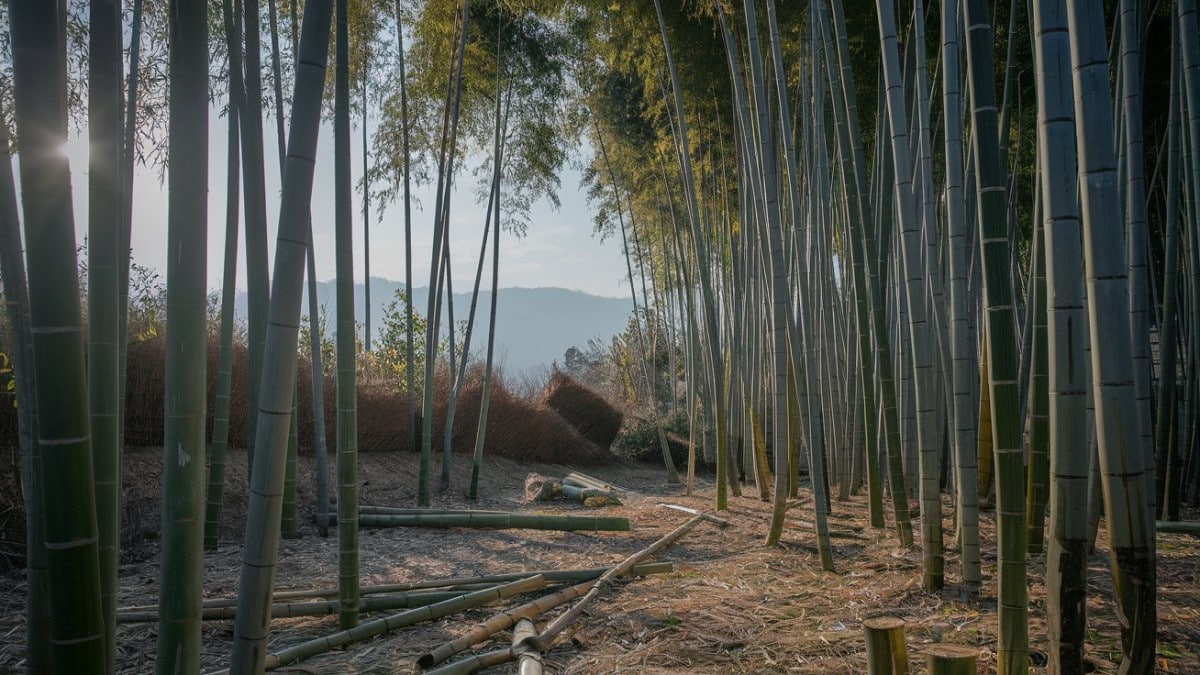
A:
(901, 370)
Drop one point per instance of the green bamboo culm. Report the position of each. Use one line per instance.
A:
(347, 405)
(258, 283)
(531, 521)
(104, 253)
(63, 429)
(1037, 481)
(1067, 551)
(16, 301)
(865, 247)
(918, 329)
(288, 527)
(252, 626)
(221, 400)
(181, 582)
(1002, 363)
(1129, 518)
(962, 351)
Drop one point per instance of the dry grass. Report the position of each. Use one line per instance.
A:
(732, 606)
(592, 416)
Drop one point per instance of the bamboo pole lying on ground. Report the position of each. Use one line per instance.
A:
(508, 618)
(526, 521)
(530, 659)
(1178, 527)
(401, 511)
(584, 493)
(887, 653)
(456, 583)
(287, 610)
(502, 621)
(707, 516)
(542, 642)
(586, 481)
(371, 629)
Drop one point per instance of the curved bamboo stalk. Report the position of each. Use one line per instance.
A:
(261, 546)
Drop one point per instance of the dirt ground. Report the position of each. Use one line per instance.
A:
(732, 605)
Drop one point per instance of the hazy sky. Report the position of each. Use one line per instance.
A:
(559, 249)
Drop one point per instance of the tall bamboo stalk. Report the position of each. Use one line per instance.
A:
(1002, 364)
(181, 581)
(918, 328)
(961, 348)
(104, 254)
(1118, 434)
(63, 429)
(699, 248)
(16, 300)
(252, 626)
(222, 399)
(347, 398)
(1066, 557)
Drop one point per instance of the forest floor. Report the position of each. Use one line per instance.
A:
(731, 605)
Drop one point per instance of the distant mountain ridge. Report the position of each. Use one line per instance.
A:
(534, 326)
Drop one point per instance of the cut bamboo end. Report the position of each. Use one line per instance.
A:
(948, 659)
(887, 653)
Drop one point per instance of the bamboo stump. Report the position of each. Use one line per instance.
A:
(886, 651)
(946, 659)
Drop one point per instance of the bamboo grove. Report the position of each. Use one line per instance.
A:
(943, 252)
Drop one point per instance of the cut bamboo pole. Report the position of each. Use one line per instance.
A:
(944, 659)
(707, 516)
(287, 610)
(527, 521)
(542, 641)
(502, 621)
(477, 662)
(584, 493)
(530, 659)
(371, 629)
(1180, 527)
(457, 583)
(887, 653)
(395, 511)
(584, 480)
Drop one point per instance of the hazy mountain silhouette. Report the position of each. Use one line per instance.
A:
(534, 326)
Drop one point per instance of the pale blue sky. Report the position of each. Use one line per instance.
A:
(559, 249)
